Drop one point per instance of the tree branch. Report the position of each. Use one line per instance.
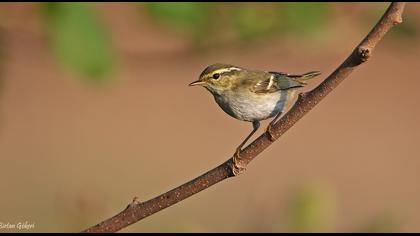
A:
(136, 211)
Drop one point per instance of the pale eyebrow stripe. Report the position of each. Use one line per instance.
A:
(224, 70)
(270, 83)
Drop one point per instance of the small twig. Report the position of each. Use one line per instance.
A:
(137, 211)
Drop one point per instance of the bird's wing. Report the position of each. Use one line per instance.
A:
(275, 81)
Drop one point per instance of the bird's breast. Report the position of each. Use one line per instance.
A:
(251, 106)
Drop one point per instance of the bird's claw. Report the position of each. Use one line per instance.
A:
(269, 133)
(237, 166)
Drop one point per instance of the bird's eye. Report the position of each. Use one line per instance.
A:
(216, 76)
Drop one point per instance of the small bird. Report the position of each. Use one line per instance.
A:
(251, 95)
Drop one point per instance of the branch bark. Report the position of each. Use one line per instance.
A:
(136, 211)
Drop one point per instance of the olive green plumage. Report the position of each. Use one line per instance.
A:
(233, 77)
(251, 94)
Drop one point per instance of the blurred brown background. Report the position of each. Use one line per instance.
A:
(95, 109)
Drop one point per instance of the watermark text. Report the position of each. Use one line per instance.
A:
(24, 225)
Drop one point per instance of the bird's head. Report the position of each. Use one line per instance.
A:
(218, 77)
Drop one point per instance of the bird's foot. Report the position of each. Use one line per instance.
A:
(270, 133)
(237, 165)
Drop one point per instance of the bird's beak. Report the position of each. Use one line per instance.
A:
(198, 82)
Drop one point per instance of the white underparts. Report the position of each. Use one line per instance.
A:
(250, 107)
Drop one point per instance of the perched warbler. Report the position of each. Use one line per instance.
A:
(251, 95)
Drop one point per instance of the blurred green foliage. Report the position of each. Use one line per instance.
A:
(304, 18)
(247, 21)
(382, 223)
(311, 209)
(253, 22)
(190, 16)
(79, 40)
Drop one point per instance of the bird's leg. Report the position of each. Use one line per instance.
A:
(269, 130)
(237, 166)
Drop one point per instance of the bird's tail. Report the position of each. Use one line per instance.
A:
(304, 77)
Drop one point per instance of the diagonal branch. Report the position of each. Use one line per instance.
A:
(136, 211)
